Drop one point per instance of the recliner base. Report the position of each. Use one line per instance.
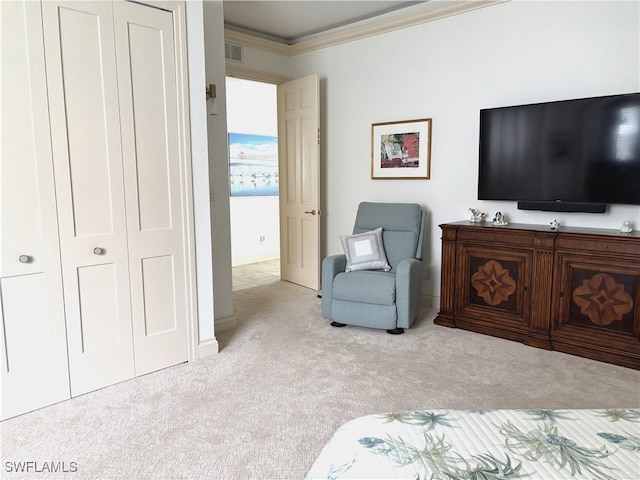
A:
(392, 331)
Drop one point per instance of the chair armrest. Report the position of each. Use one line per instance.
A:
(331, 266)
(408, 290)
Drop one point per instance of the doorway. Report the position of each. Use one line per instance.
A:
(252, 123)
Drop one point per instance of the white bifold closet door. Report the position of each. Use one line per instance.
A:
(33, 353)
(155, 202)
(87, 151)
(113, 108)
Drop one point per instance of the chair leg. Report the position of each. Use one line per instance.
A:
(337, 324)
(395, 331)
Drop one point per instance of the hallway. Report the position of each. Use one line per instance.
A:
(254, 274)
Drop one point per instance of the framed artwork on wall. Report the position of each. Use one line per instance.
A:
(253, 165)
(401, 150)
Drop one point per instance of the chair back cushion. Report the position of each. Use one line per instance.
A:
(402, 228)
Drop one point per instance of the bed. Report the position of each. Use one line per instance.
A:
(485, 444)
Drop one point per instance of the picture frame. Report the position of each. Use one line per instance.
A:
(401, 150)
(253, 165)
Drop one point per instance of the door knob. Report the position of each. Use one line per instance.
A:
(98, 251)
(312, 212)
(24, 258)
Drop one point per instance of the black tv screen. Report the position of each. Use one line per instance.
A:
(585, 150)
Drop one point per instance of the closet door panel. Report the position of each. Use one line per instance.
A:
(33, 354)
(97, 287)
(157, 283)
(152, 160)
(90, 136)
(83, 92)
(34, 360)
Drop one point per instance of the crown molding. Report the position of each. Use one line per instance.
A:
(432, 11)
(246, 40)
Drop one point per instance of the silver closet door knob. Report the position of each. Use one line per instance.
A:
(24, 258)
(98, 251)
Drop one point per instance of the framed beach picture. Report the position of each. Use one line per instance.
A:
(401, 150)
(253, 165)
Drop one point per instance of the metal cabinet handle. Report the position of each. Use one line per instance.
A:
(24, 258)
(98, 251)
(312, 212)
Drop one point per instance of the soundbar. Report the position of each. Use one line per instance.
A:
(563, 206)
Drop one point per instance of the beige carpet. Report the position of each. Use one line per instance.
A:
(283, 382)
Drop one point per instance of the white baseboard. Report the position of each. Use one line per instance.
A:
(207, 348)
(430, 301)
(267, 257)
(225, 323)
(210, 347)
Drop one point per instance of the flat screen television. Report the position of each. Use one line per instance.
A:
(570, 155)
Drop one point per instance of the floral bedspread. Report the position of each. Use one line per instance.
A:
(485, 444)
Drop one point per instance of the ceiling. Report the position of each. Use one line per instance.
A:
(291, 21)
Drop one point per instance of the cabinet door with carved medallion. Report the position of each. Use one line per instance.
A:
(494, 295)
(597, 311)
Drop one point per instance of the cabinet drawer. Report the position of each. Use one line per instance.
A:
(608, 245)
(496, 235)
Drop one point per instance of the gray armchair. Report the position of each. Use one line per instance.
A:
(388, 300)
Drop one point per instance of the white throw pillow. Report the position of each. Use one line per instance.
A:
(365, 251)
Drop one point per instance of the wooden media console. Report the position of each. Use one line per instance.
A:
(574, 290)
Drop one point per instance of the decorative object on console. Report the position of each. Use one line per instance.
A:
(476, 216)
(554, 225)
(626, 227)
(500, 220)
(401, 150)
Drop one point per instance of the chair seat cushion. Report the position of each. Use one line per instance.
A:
(366, 287)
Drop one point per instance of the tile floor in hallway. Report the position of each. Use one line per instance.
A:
(254, 274)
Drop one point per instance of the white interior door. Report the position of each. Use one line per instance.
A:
(85, 124)
(152, 163)
(299, 166)
(32, 335)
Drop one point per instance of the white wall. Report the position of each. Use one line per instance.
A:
(218, 161)
(200, 171)
(255, 233)
(511, 53)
